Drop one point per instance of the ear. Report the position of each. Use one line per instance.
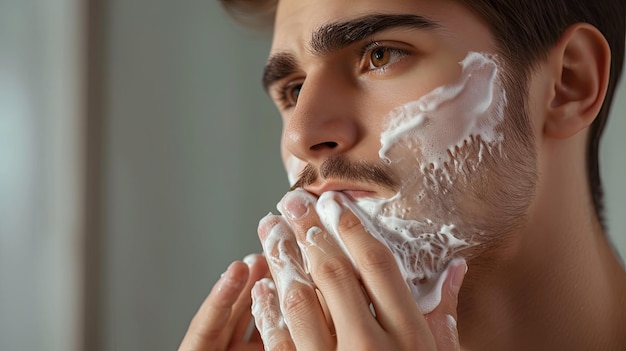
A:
(581, 63)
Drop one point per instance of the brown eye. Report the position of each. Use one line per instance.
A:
(380, 57)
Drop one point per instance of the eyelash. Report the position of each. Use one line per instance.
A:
(369, 47)
(283, 100)
(364, 53)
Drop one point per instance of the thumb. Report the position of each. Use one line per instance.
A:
(442, 320)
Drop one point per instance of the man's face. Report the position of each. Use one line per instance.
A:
(400, 106)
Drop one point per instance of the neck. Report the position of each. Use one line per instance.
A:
(558, 286)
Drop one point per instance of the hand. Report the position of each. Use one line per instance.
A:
(223, 321)
(397, 323)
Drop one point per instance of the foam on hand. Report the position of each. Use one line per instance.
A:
(282, 251)
(421, 258)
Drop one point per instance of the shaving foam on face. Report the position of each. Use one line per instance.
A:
(420, 137)
(449, 115)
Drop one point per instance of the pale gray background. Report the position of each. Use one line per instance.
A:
(189, 164)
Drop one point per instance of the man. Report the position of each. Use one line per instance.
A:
(446, 190)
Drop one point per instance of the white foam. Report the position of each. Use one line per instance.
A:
(419, 138)
(420, 135)
(282, 251)
(267, 316)
(446, 117)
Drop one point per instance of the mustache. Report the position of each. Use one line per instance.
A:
(340, 167)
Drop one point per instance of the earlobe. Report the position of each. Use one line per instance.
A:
(581, 62)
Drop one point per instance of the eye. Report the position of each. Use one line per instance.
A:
(379, 57)
(289, 94)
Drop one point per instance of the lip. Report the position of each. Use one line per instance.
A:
(358, 194)
(351, 190)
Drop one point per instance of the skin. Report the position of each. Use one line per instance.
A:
(224, 316)
(550, 281)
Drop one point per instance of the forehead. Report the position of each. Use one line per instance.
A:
(296, 21)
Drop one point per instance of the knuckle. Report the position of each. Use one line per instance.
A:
(377, 259)
(210, 335)
(334, 268)
(282, 345)
(298, 298)
(349, 223)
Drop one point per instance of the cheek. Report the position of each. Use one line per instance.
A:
(446, 119)
(431, 72)
(538, 98)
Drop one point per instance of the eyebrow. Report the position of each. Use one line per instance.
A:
(334, 36)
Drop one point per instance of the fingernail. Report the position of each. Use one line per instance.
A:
(250, 259)
(295, 204)
(266, 224)
(263, 286)
(225, 272)
(228, 280)
(257, 289)
(295, 209)
(459, 268)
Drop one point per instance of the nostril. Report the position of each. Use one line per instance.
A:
(325, 145)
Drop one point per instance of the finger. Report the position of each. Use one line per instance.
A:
(268, 317)
(296, 293)
(243, 329)
(206, 328)
(442, 320)
(282, 252)
(395, 308)
(331, 269)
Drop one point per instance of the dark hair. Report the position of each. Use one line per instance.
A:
(525, 30)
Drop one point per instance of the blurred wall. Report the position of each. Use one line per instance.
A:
(40, 174)
(190, 163)
(613, 168)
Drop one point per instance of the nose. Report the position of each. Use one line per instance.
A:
(323, 122)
